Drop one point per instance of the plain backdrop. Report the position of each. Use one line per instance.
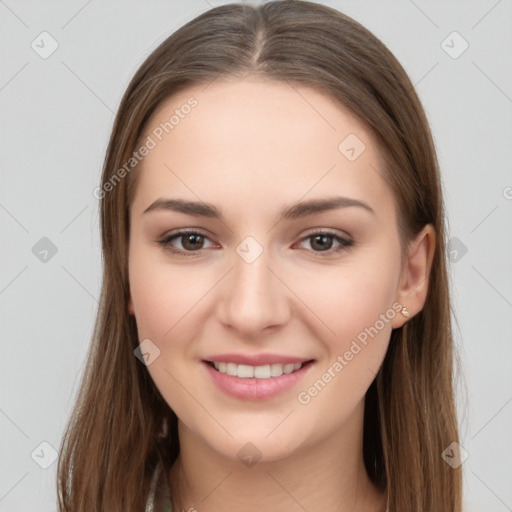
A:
(57, 111)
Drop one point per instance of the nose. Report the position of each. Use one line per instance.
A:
(253, 298)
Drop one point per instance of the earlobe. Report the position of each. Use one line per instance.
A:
(414, 280)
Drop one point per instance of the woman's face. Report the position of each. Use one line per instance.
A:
(281, 270)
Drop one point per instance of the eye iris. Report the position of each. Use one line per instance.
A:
(325, 242)
(191, 239)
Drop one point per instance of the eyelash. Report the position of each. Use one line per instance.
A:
(345, 243)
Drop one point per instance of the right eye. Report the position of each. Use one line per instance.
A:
(191, 242)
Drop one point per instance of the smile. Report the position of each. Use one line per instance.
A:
(260, 382)
(245, 371)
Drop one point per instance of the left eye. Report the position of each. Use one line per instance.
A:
(324, 241)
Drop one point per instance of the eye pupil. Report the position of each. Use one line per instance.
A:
(325, 242)
(192, 239)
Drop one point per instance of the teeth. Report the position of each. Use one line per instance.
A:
(262, 372)
(232, 369)
(276, 370)
(288, 368)
(246, 371)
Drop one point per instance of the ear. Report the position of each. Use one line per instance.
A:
(414, 278)
(131, 309)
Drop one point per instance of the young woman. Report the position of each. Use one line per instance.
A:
(274, 329)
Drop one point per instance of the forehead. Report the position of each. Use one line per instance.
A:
(261, 140)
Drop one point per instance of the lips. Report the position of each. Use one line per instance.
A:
(256, 377)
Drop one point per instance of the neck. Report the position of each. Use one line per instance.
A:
(328, 476)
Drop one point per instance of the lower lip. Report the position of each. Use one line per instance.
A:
(256, 389)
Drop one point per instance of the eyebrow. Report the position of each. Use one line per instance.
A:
(300, 209)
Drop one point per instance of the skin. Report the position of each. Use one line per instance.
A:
(252, 147)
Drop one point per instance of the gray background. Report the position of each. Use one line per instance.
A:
(57, 113)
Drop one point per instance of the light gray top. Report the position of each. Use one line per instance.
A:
(159, 498)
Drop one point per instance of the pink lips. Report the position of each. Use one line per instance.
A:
(253, 388)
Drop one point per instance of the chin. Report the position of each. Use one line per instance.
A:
(254, 444)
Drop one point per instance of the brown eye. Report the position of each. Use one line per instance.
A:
(192, 241)
(323, 242)
(185, 242)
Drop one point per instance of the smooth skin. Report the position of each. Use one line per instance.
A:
(252, 147)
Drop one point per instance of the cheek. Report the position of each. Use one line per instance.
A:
(350, 298)
(355, 302)
(164, 299)
(163, 295)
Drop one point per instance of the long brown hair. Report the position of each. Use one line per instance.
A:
(120, 423)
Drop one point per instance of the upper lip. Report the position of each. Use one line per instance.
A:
(256, 359)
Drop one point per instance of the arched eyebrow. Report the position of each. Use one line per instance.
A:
(300, 209)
